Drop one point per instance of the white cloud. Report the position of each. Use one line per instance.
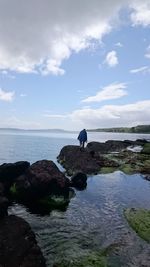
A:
(23, 95)
(6, 96)
(144, 70)
(40, 41)
(119, 44)
(5, 73)
(111, 59)
(141, 12)
(15, 122)
(55, 116)
(114, 115)
(148, 52)
(112, 91)
(106, 116)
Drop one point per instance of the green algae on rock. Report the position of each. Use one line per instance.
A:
(106, 170)
(56, 202)
(92, 260)
(139, 220)
(128, 169)
(103, 258)
(13, 190)
(106, 157)
(146, 149)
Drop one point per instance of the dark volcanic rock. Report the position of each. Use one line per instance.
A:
(3, 202)
(3, 206)
(42, 178)
(79, 180)
(18, 246)
(111, 154)
(114, 145)
(10, 171)
(97, 147)
(1, 189)
(147, 177)
(109, 146)
(87, 161)
(75, 160)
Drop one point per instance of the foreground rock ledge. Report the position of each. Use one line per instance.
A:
(18, 246)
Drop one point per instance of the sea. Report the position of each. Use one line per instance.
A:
(94, 218)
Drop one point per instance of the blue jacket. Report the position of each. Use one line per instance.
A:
(82, 136)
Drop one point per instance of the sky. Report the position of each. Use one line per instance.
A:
(70, 64)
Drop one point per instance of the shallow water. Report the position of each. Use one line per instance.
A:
(94, 218)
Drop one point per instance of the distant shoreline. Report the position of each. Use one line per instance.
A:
(140, 129)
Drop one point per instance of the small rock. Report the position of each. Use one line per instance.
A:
(79, 180)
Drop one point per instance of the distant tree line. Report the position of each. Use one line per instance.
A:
(136, 129)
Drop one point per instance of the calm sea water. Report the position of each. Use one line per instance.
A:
(33, 146)
(94, 218)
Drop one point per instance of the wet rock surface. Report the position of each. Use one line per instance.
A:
(79, 180)
(10, 171)
(18, 246)
(3, 206)
(104, 157)
(42, 178)
(114, 145)
(73, 159)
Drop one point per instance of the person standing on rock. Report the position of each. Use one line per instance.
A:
(82, 137)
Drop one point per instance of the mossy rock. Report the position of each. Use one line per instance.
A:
(146, 149)
(127, 169)
(13, 191)
(92, 260)
(139, 220)
(105, 170)
(54, 202)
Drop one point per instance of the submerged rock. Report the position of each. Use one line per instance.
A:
(92, 260)
(18, 246)
(53, 202)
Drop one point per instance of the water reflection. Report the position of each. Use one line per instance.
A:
(93, 220)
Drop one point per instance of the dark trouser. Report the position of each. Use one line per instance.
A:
(82, 144)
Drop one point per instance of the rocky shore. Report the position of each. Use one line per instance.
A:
(107, 157)
(41, 187)
(44, 187)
